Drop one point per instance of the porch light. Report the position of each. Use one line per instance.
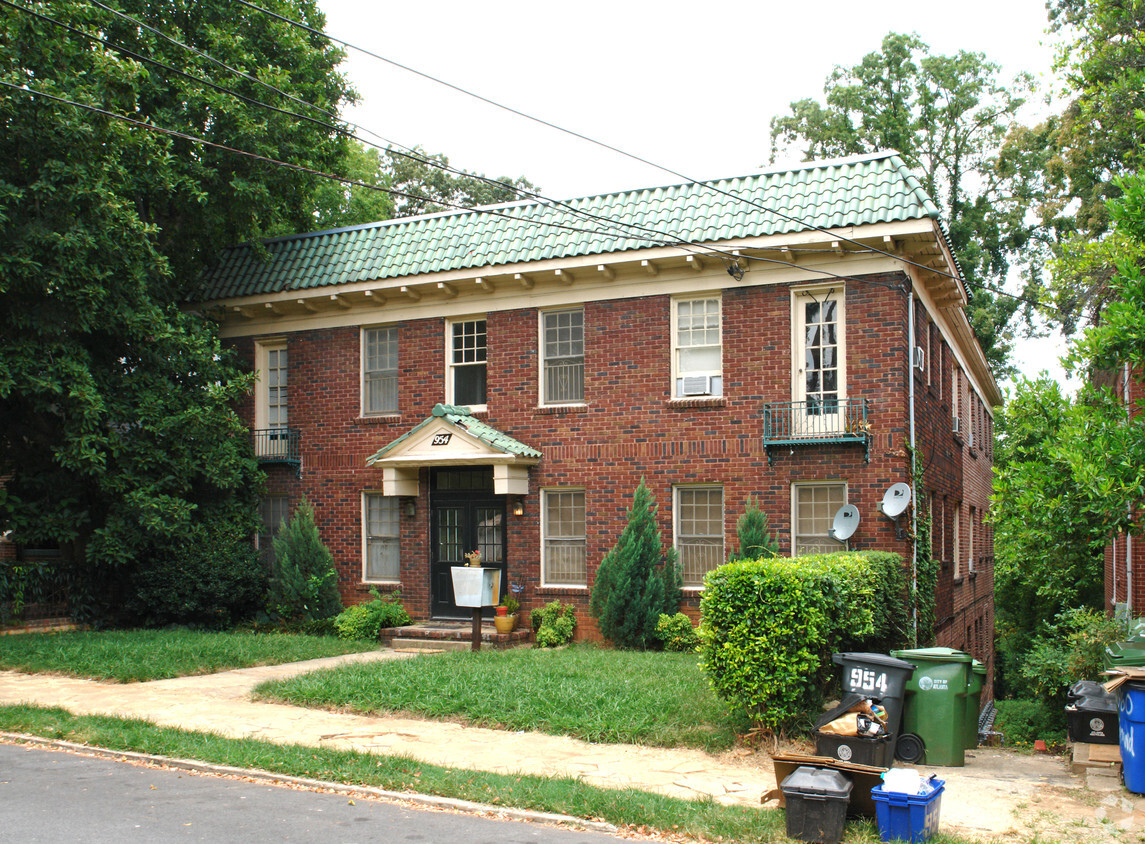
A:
(519, 507)
(410, 507)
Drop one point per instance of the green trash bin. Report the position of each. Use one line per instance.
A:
(974, 703)
(935, 709)
(1121, 654)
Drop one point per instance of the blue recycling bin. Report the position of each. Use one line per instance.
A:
(1131, 731)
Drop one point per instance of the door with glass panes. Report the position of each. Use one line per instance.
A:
(466, 516)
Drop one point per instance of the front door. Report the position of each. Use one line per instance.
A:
(466, 516)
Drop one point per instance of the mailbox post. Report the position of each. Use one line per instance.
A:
(476, 587)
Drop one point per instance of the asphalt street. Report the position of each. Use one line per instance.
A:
(58, 797)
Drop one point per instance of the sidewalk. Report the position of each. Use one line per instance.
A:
(998, 793)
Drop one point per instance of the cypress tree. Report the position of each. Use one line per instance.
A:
(637, 580)
(305, 584)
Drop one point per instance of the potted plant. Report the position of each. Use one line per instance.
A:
(474, 558)
(506, 619)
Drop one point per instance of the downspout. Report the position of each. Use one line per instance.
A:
(913, 492)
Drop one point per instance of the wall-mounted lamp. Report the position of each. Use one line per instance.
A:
(519, 507)
(410, 507)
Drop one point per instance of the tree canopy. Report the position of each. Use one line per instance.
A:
(117, 434)
(948, 117)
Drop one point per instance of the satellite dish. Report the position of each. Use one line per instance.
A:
(845, 524)
(895, 501)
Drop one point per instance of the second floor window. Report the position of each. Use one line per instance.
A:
(467, 363)
(820, 381)
(697, 350)
(380, 370)
(563, 346)
(276, 387)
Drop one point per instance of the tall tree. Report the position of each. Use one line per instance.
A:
(117, 437)
(947, 116)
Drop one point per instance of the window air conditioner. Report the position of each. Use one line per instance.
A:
(697, 385)
(919, 358)
(956, 424)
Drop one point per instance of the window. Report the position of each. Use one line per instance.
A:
(562, 343)
(273, 510)
(270, 408)
(467, 357)
(699, 531)
(970, 542)
(819, 377)
(956, 530)
(379, 370)
(814, 507)
(382, 538)
(564, 546)
(697, 357)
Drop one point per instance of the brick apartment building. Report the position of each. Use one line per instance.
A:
(1125, 554)
(502, 379)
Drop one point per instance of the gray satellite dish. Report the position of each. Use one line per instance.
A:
(895, 501)
(845, 524)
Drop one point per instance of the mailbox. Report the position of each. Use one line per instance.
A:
(475, 586)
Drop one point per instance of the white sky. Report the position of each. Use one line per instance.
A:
(691, 86)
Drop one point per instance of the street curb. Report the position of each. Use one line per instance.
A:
(195, 766)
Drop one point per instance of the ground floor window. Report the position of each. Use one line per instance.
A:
(699, 529)
(382, 538)
(273, 511)
(564, 545)
(813, 511)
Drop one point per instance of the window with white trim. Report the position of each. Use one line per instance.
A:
(699, 529)
(813, 508)
(379, 370)
(956, 528)
(562, 350)
(564, 544)
(271, 405)
(382, 538)
(273, 511)
(467, 363)
(697, 351)
(819, 370)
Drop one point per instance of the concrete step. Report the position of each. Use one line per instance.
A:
(403, 643)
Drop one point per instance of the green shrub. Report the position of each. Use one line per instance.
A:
(677, 633)
(553, 624)
(1022, 722)
(769, 626)
(206, 578)
(1068, 649)
(637, 580)
(755, 539)
(366, 621)
(304, 584)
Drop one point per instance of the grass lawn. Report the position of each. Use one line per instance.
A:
(127, 656)
(583, 691)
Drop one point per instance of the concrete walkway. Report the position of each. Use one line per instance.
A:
(998, 793)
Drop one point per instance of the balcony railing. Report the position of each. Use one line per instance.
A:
(278, 445)
(811, 423)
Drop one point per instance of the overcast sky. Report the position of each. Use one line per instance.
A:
(689, 86)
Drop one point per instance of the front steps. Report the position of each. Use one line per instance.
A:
(438, 636)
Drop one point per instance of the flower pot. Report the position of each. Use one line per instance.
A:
(505, 623)
(502, 610)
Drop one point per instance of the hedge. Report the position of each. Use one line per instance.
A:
(768, 627)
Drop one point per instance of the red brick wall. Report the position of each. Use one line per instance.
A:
(628, 429)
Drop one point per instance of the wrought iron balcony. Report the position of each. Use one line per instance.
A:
(278, 445)
(815, 422)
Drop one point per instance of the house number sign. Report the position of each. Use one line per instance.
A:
(441, 439)
(864, 680)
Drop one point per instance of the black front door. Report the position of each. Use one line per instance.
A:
(463, 520)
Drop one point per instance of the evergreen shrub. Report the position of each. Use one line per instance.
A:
(769, 627)
(553, 624)
(637, 581)
(677, 633)
(304, 584)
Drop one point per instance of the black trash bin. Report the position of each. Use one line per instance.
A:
(876, 677)
(858, 750)
(1093, 720)
(816, 800)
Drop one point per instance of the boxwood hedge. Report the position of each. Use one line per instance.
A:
(768, 627)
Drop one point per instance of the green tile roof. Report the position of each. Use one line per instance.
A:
(846, 192)
(461, 418)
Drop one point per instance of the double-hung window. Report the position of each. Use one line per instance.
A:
(379, 370)
(273, 438)
(699, 526)
(382, 538)
(273, 511)
(562, 339)
(813, 512)
(564, 546)
(467, 363)
(697, 351)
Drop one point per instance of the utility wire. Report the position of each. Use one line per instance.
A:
(677, 174)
